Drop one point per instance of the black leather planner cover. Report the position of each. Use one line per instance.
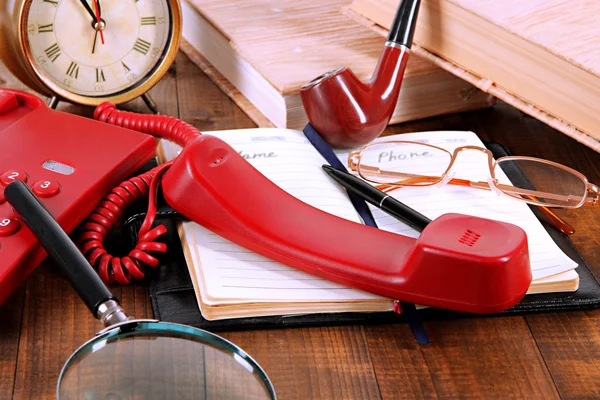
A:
(174, 300)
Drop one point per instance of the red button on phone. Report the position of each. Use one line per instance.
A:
(2, 198)
(11, 176)
(46, 188)
(8, 226)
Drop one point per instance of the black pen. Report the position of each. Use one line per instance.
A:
(378, 198)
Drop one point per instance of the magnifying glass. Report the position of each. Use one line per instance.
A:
(137, 359)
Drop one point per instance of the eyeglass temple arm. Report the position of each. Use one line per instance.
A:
(557, 221)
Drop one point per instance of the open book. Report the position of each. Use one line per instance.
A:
(232, 282)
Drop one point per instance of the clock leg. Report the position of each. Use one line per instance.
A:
(150, 103)
(53, 102)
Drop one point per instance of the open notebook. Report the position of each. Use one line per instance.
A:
(232, 282)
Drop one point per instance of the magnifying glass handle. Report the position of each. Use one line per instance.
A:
(60, 247)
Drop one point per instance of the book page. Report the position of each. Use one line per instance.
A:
(233, 274)
(546, 257)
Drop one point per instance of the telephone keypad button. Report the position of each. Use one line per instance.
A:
(11, 176)
(8, 226)
(45, 188)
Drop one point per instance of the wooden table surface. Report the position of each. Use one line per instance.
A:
(537, 356)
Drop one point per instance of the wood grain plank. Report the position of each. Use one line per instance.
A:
(55, 323)
(203, 104)
(491, 358)
(569, 343)
(10, 314)
(164, 95)
(313, 363)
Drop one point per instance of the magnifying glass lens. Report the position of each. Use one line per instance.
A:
(177, 365)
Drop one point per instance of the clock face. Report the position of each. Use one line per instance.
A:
(70, 50)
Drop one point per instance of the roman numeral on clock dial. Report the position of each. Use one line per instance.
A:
(148, 20)
(73, 70)
(100, 75)
(53, 52)
(45, 28)
(142, 46)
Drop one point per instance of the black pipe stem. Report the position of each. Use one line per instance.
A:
(403, 26)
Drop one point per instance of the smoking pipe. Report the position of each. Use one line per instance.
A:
(349, 113)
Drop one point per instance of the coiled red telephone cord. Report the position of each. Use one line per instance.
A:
(97, 225)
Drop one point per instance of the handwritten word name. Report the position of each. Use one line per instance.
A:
(254, 156)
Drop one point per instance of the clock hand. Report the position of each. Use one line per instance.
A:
(88, 8)
(96, 21)
(95, 39)
(99, 25)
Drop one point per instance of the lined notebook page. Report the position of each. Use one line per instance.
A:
(546, 257)
(232, 274)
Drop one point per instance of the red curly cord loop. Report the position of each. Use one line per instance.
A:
(111, 208)
(161, 126)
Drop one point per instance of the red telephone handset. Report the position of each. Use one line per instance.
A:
(459, 262)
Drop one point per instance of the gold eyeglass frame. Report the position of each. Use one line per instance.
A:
(591, 196)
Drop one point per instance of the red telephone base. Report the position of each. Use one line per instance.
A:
(70, 162)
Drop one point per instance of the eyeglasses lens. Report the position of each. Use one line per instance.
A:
(403, 163)
(554, 186)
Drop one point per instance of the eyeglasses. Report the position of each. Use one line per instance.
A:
(395, 164)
